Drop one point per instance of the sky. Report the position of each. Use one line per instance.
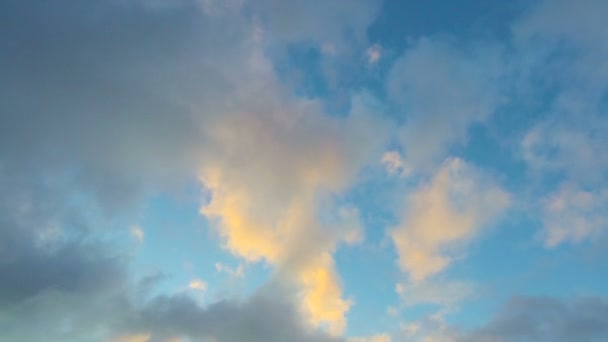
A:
(306, 171)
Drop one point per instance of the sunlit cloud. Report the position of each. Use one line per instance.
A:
(451, 209)
(198, 285)
(307, 171)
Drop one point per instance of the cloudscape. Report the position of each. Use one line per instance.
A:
(306, 171)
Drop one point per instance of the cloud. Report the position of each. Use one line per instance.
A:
(264, 317)
(271, 201)
(448, 211)
(238, 272)
(570, 144)
(128, 99)
(570, 51)
(318, 21)
(524, 318)
(271, 211)
(564, 44)
(572, 214)
(395, 164)
(441, 90)
(547, 319)
(120, 124)
(137, 233)
(374, 53)
(198, 285)
(432, 328)
(445, 294)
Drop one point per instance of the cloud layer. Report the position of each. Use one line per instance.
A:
(106, 105)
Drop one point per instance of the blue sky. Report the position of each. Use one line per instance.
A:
(271, 170)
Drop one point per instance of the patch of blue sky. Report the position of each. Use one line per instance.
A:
(181, 244)
(368, 274)
(401, 20)
(510, 260)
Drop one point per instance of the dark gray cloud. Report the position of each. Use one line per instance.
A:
(267, 316)
(107, 316)
(113, 93)
(547, 319)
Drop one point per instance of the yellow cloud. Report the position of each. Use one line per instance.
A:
(322, 295)
(267, 172)
(293, 241)
(198, 285)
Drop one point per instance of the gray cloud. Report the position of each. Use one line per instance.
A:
(267, 316)
(547, 319)
(318, 21)
(102, 103)
(442, 89)
(107, 91)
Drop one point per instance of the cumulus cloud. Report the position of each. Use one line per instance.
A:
(450, 210)
(105, 103)
(271, 207)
